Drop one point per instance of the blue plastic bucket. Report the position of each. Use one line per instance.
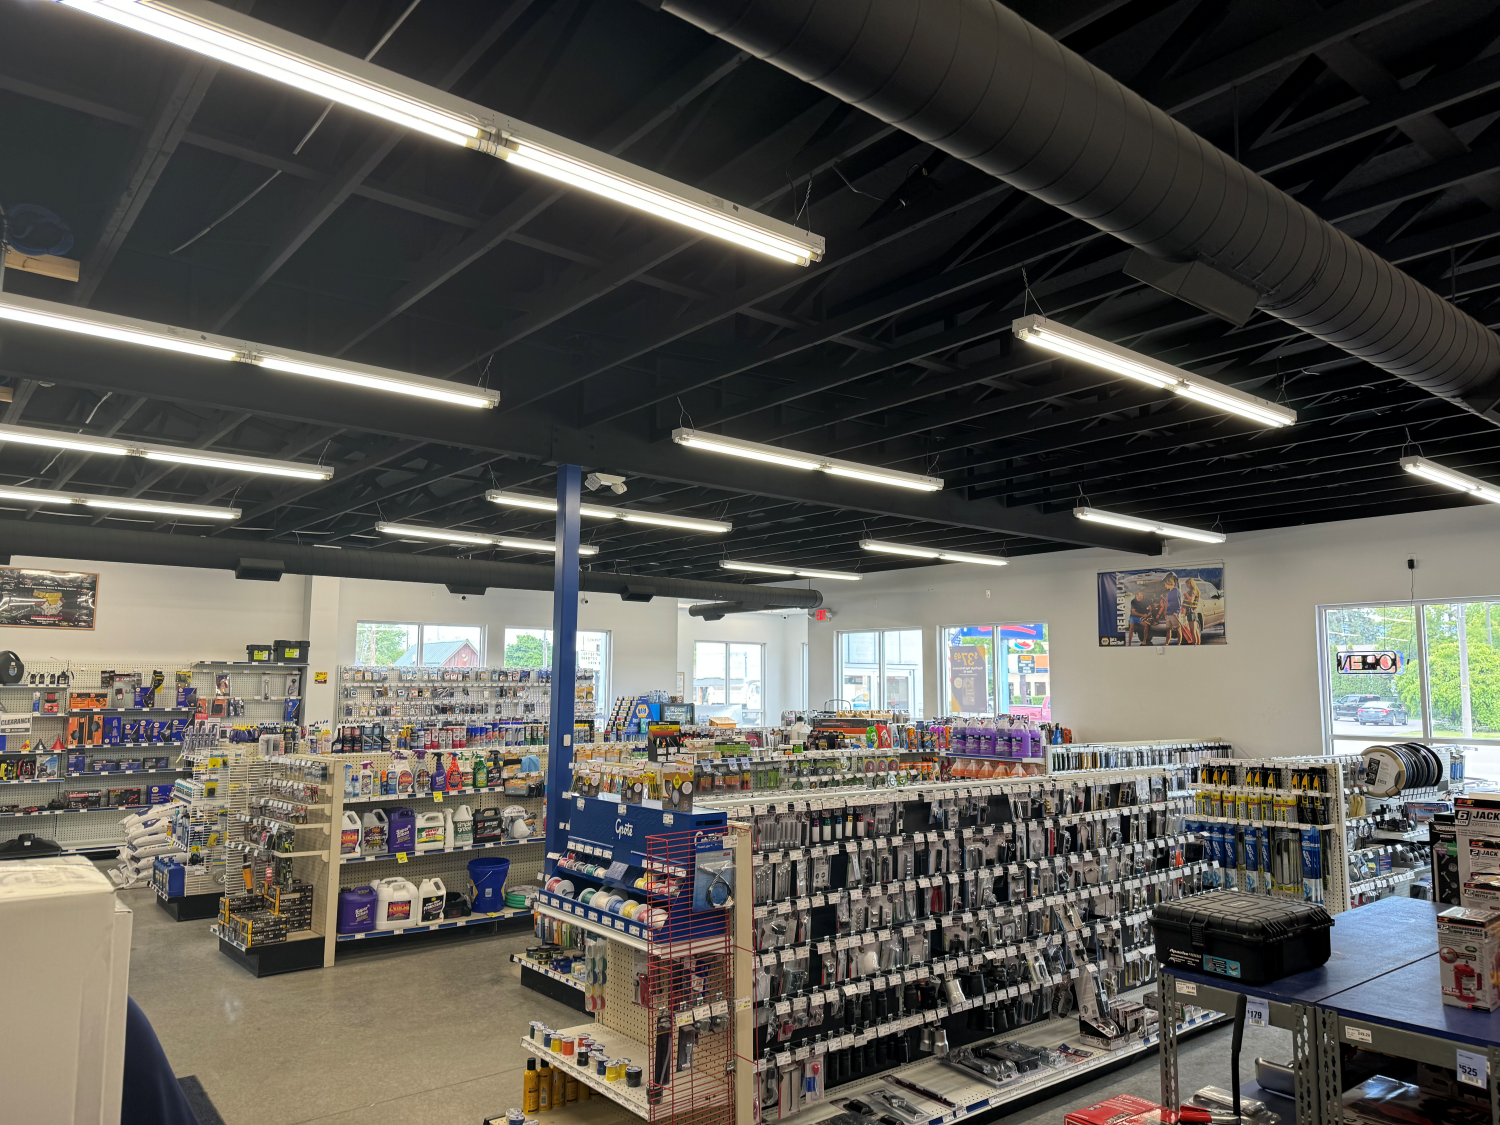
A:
(487, 884)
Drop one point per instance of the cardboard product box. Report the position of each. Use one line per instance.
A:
(159, 794)
(1476, 824)
(1122, 1109)
(1385, 1101)
(1469, 957)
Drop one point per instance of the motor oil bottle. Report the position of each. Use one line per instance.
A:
(530, 1098)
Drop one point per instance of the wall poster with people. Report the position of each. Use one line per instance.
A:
(1165, 605)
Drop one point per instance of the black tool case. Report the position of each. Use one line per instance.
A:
(1248, 938)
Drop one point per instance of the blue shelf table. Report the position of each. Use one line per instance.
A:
(1367, 944)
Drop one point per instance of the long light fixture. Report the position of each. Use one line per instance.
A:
(1088, 349)
(601, 512)
(790, 572)
(792, 459)
(886, 547)
(250, 44)
(1449, 478)
(228, 462)
(1156, 527)
(120, 503)
(474, 538)
(145, 333)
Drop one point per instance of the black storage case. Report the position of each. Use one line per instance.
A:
(1244, 937)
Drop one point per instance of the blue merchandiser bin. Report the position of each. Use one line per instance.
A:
(487, 884)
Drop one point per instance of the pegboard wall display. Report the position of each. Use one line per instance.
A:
(941, 921)
(104, 738)
(511, 705)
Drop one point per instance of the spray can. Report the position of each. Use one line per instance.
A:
(530, 1095)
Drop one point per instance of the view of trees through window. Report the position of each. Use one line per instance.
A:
(1448, 684)
(413, 644)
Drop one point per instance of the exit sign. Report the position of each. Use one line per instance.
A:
(822, 613)
(1370, 663)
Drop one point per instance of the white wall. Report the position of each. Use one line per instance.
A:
(1260, 690)
(148, 613)
(782, 634)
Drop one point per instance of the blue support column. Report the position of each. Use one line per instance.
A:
(564, 656)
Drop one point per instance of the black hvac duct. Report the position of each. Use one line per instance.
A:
(65, 541)
(977, 81)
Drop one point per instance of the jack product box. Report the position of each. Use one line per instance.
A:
(1476, 825)
(158, 794)
(1122, 1109)
(1469, 957)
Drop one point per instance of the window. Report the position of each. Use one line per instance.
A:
(532, 648)
(415, 645)
(1441, 683)
(882, 670)
(1016, 680)
(727, 681)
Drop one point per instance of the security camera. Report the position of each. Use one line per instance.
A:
(601, 480)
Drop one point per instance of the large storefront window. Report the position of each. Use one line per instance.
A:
(998, 670)
(881, 670)
(1428, 670)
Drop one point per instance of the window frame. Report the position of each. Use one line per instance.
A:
(999, 671)
(421, 628)
(744, 710)
(882, 704)
(1419, 609)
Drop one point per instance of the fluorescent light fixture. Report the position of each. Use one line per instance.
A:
(1156, 527)
(602, 512)
(228, 462)
(634, 190)
(379, 379)
(474, 538)
(1450, 478)
(122, 503)
(73, 443)
(790, 572)
(124, 330)
(1081, 346)
(792, 459)
(200, 28)
(888, 548)
(145, 333)
(252, 45)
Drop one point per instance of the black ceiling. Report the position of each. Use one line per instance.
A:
(605, 329)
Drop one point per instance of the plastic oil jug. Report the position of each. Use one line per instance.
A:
(350, 834)
(433, 897)
(403, 830)
(377, 834)
(395, 904)
(463, 826)
(431, 827)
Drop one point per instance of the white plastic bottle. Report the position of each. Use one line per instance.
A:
(447, 827)
(433, 896)
(463, 826)
(395, 904)
(366, 779)
(351, 836)
(377, 832)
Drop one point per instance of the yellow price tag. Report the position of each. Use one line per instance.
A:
(438, 797)
(400, 857)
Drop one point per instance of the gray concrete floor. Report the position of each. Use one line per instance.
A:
(422, 1031)
(425, 1032)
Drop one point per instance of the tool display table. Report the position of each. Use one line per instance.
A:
(1367, 944)
(1402, 1013)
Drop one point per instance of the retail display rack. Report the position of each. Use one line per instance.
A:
(937, 917)
(652, 887)
(116, 759)
(517, 702)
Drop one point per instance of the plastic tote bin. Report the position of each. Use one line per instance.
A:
(487, 884)
(1241, 936)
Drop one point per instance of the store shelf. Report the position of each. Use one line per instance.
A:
(441, 796)
(616, 1045)
(300, 935)
(384, 856)
(537, 967)
(69, 812)
(457, 923)
(247, 665)
(111, 773)
(121, 711)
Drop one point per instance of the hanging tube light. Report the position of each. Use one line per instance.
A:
(1450, 478)
(199, 458)
(602, 512)
(473, 538)
(792, 459)
(886, 547)
(1156, 527)
(117, 503)
(790, 572)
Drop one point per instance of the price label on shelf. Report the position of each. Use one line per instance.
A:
(400, 857)
(1257, 1012)
(438, 797)
(1473, 1069)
